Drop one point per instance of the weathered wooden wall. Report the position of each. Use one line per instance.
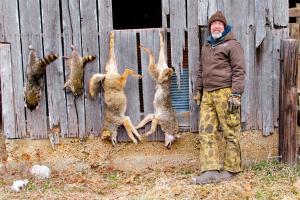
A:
(52, 26)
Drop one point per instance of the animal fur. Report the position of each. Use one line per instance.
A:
(34, 72)
(76, 64)
(115, 101)
(163, 113)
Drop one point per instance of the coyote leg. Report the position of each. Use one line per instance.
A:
(126, 73)
(114, 138)
(152, 67)
(147, 119)
(153, 127)
(135, 132)
(129, 129)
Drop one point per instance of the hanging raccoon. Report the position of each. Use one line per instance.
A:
(34, 77)
(76, 64)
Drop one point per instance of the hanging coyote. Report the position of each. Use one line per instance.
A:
(34, 73)
(76, 64)
(163, 112)
(115, 101)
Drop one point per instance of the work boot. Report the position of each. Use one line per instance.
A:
(227, 175)
(212, 176)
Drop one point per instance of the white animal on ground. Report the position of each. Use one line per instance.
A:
(40, 171)
(18, 185)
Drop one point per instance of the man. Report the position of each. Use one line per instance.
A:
(220, 83)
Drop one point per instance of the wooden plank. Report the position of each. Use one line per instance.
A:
(215, 5)
(2, 22)
(126, 56)
(248, 108)
(239, 24)
(89, 33)
(247, 40)
(8, 111)
(298, 19)
(278, 34)
(31, 35)
(165, 12)
(260, 21)
(263, 19)
(10, 24)
(105, 26)
(257, 88)
(72, 36)
(193, 59)
(294, 12)
(177, 29)
(267, 94)
(281, 8)
(202, 11)
(288, 101)
(294, 30)
(53, 42)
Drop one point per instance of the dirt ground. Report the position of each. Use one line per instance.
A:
(76, 174)
(267, 180)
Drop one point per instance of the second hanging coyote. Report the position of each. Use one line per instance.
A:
(163, 114)
(115, 101)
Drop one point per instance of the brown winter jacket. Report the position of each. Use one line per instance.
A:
(222, 66)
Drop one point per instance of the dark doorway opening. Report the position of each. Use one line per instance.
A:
(136, 14)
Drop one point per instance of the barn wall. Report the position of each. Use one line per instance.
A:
(52, 26)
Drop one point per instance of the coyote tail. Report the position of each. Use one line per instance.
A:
(94, 84)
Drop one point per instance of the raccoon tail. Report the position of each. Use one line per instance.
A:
(94, 84)
(48, 59)
(88, 58)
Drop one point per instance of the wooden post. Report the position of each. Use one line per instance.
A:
(7, 89)
(288, 101)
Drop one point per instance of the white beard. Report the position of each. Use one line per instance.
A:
(216, 35)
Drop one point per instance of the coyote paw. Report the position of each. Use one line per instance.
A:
(169, 139)
(114, 141)
(134, 141)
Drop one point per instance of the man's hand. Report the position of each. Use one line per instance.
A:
(234, 103)
(197, 97)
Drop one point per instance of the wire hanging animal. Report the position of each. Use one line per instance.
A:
(35, 70)
(115, 100)
(163, 113)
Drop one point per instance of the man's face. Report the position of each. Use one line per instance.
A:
(216, 29)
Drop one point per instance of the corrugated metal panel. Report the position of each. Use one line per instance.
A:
(180, 96)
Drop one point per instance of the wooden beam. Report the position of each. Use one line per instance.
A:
(294, 12)
(288, 101)
(8, 112)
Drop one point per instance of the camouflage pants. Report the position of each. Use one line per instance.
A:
(214, 112)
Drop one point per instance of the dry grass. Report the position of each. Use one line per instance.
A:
(267, 180)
